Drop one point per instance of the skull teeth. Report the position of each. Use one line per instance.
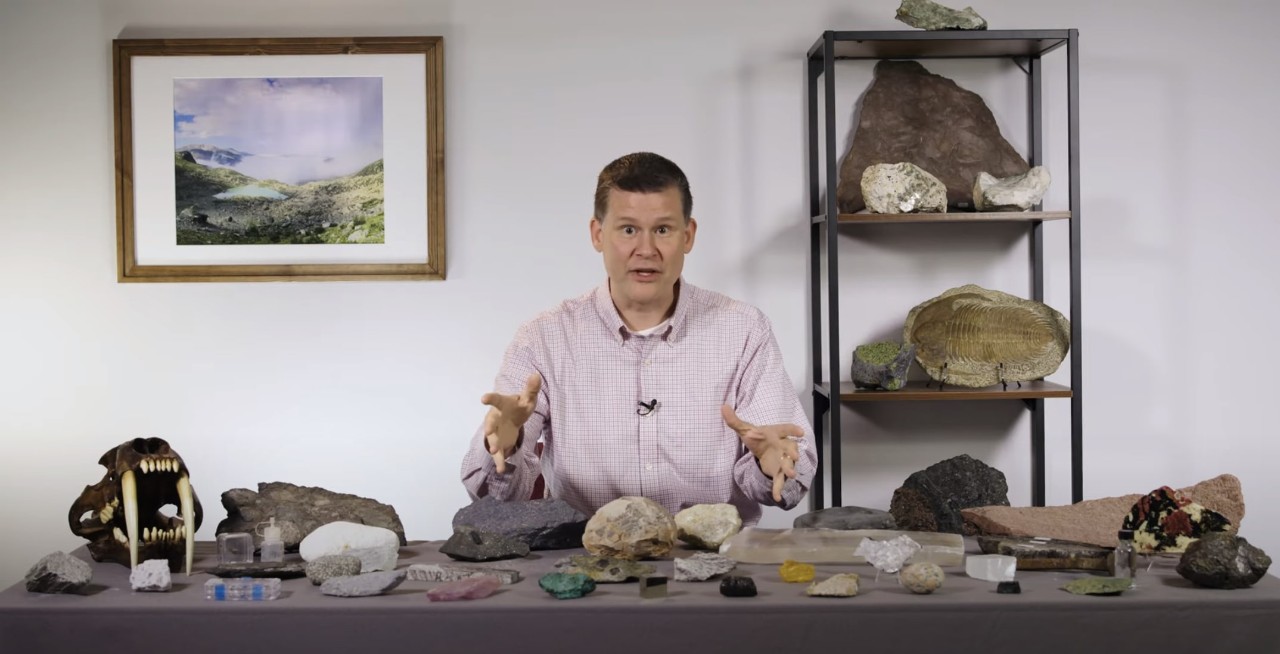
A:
(159, 465)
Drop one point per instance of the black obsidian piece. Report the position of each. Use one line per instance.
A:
(738, 586)
(1009, 588)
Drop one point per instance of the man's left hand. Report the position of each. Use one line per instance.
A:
(774, 446)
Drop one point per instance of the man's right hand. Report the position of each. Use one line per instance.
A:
(506, 417)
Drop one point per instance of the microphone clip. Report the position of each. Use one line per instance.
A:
(647, 407)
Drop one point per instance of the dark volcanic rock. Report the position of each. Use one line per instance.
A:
(1009, 588)
(738, 586)
(467, 544)
(847, 518)
(299, 510)
(931, 499)
(1223, 560)
(541, 524)
(58, 572)
(911, 115)
(284, 570)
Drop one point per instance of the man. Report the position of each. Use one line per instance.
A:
(646, 385)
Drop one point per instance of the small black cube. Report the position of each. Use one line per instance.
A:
(738, 586)
(1009, 588)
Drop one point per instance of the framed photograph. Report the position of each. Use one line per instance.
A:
(293, 159)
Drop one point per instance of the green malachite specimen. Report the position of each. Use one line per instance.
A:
(881, 365)
(566, 586)
(1099, 586)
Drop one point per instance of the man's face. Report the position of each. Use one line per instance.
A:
(644, 238)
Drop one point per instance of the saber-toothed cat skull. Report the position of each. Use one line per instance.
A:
(121, 515)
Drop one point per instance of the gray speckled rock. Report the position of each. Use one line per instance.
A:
(540, 524)
(902, 188)
(58, 572)
(365, 585)
(1014, 193)
(603, 569)
(333, 565)
(459, 571)
(703, 566)
(151, 576)
(846, 518)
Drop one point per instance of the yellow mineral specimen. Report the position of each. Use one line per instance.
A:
(795, 572)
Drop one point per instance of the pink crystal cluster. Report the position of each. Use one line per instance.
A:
(465, 589)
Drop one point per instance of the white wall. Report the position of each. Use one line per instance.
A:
(371, 388)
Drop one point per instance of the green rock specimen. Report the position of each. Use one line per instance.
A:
(881, 365)
(1099, 586)
(566, 586)
(928, 15)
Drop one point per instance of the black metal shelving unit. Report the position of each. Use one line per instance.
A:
(1027, 47)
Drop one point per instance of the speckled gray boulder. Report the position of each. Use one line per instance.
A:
(847, 518)
(334, 565)
(540, 524)
(58, 572)
(365, 585)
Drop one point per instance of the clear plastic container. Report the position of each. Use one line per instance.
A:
(242, 589)
(235, 547)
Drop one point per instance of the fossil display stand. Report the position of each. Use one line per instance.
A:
(1026, 48)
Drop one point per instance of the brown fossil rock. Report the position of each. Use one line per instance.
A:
(983, 337)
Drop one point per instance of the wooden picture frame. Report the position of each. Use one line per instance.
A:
(195, 204)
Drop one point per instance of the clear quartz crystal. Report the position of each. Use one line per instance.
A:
(887, 555)
(991, 567)
(812, 545)
(1126, 558)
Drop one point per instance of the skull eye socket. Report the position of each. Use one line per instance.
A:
(168, 510)
(88, 515)
(148, 445)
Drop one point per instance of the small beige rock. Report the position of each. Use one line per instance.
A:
(706, 526)
(841, 585)
(921, 578)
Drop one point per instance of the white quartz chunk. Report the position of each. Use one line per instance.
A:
(991, 567)
(151, 576)
(376, 547)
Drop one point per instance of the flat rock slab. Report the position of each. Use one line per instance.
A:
(847, 517)
(287, 570)
(299, 510)
(540, 524)
(1097, 521)
(457, 571)
(468, 544)
(1047, 553)
(365, 585)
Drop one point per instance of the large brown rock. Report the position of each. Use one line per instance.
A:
(630, 528)
(1097, 521)
(299, 510)
(909, 114)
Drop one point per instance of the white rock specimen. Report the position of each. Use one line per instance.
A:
(377, 548)
(703, 566)
(902, 188)
(921, 578)
(887, 555)
(706, 526)
(1016, 193)
(630, 528)
(841, 585)
(151, 576)
(991, 567)
(459, 571)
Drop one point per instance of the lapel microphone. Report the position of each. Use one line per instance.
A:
(646, 407)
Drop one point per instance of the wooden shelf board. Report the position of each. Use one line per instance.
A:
(907, 44)
(916, 391)
(956, 217)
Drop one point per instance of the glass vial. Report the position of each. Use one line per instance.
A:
(1126, 558)
(272, 543)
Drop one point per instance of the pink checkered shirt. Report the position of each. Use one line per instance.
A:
(597, 448)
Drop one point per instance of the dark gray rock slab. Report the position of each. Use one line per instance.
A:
(299, 510)
(58, 572)
(931, 499)
(540, 524)
(911, 115)
(847, 518)
(1047, 553)
(282, 570)
(1223, 560)
(468, 544)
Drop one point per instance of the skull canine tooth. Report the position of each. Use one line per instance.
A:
(187, 506)
(129, 491)
(119, 535)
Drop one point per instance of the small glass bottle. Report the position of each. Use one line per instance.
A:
(272, 543)
(1126, 558)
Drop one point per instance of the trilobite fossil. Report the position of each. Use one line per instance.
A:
(975, 337)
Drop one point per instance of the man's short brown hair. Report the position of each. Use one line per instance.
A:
(642, 172)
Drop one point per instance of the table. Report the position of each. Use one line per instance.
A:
(1166, 614)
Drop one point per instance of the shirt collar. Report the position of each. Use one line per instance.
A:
(613, 320)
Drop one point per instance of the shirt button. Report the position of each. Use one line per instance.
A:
(647, 362)
(649, 467)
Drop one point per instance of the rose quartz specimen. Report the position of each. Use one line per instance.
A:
(465, 589)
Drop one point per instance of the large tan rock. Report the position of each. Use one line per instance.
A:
(630, 528)
(1097, 521)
